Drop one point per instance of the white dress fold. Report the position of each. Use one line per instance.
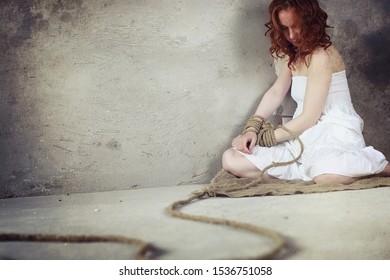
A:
(335, 145)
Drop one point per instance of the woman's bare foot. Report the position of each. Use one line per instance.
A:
(385, 172)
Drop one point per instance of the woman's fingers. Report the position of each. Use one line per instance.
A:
(245, 143)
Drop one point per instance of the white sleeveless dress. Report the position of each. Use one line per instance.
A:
(335, 145)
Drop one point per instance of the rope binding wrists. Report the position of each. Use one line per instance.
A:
(254, 124)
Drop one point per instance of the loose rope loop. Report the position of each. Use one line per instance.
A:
(144, 251)
(277, 239)
(147, 250)
(275, 164)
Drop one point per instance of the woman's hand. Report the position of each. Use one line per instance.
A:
(245, 143)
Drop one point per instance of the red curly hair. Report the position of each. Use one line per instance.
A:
(312, 22)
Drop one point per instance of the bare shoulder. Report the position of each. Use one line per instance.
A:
(329, 58)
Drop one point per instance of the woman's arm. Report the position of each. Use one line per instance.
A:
(318, 82)
(275, 95)
(268, 104)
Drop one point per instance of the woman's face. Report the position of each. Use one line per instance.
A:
(290, 25)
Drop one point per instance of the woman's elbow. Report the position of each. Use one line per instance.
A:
(310, 119)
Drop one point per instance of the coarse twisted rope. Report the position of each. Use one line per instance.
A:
(278, 240)
(294, 160)
(254, 124)
(145, 250)
(227, 188)
(263, 129)
(173, 210)
(266, 138)
(266, 135)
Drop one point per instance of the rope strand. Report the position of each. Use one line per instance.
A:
(145, 250)
(277, 239)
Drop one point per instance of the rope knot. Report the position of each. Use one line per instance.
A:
(205, 192)
(254, 124)
(266, 136)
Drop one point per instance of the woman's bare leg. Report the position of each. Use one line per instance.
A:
(334, 179)
(236, 164)
(345, 180)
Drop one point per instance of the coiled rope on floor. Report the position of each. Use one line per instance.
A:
(278, 240)
(145, 250)
(223, 184)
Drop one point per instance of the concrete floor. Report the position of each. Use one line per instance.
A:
(339, 225)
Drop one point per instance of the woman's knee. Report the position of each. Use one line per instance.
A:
(236, 164)
(334, 179)
(228, 159)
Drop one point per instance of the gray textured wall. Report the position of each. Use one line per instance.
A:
(108, 95)
(362, 33)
